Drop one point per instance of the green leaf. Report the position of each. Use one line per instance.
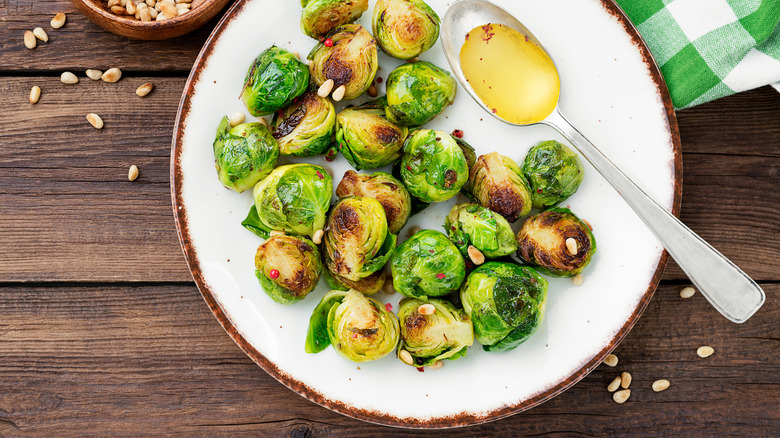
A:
(317, 335)
(253, 223)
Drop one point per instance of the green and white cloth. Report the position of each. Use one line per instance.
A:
(710, 48)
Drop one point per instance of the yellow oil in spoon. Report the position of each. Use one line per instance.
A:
(511, 75)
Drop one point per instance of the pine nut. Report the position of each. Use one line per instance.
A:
(614, 384)
(415, 59)
(436, 365)
(182, 6)
(611, 360)
(577, 280)
(414, 230)
(571, 246)
(169, 10)
(145, 15)
(132, 173)
(317, 237)
(58, 21)
(68, 78)
(426, 309)
(406, 357)
(263, 121)
(276, 233)
(372, 91)
(151, 3)
(153, 12)
(388, 287)
(475, 255)
(183, 1)
(160, 16)
(112, 3)
(35, 94)
(661, 385)
(687, 292)
(236, 119)
(29, 40)
(112, 75)
(705, 351)
(146, 88)
(338, 94)
(41, 34)
(118, 10)
(130, 8)
(625, 380)
(294, 52)
(325, 88)
(94, 74)
(621, 396)
(95, 120)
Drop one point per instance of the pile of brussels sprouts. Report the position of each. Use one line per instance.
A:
(458, 286)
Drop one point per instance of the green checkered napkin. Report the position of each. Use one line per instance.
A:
(710, 48)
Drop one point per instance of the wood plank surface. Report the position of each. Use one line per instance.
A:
(150, 360)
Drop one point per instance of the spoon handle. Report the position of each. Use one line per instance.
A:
(726, 287)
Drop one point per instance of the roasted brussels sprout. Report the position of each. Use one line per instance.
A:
(305, 128)
(417, 92)
(488, 231)
(468, 151)
(275, 78)
(556, 241)
(360, 328)
(350, 61)
(381, 186)
(430, 337)
(433, 167)
(244, 154)
(505, 302)
(322, 16)
(368, 285)
(553, 171)
(357, 242)
(367, 139)
(288, 267)
(294, 198)
(498, 184)
(405, 28)
(427, 265)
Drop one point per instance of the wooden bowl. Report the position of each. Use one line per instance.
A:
(201, 12)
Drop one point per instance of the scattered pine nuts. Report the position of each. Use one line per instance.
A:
(338, 94)
(372, 91)
(406, 357)
(687, 292)
(476, 255)
(705, 351)
(625, 380)
(436, 365)
(611, 360)
(41, 34)
(325, 88)
(426, 309)
(112, 75)
(236, 119)
(621, 396)
(68, 78)
(29, 40)
(133, 173)
(571, 246)
(35, 94)
(95, 120)
(577, 280)
(661, 385)
(146, 88)
(58, 21)
(94, 74)
(317, 237)
(614, 384)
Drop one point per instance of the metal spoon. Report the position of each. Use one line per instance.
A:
(726, 287)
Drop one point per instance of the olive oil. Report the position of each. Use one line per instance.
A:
(511, 75)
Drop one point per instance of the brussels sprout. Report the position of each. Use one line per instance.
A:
(554, 172)
(357, 242)
(498, 184)
(468, 151)
(305, 128)
(505, 302)
(244, 154)
(294, 198)
(351, 61)
(417, 92)
(368, 285)
(322, 16)
(427, 265)
(488, 231)
(288, 267)
(381, 186)
(367, 139)
(360, 328)
(542, 242)
(275, 78)
(405, 28)
(445, 334)
(433, 167)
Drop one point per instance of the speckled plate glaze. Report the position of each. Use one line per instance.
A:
(611, 89)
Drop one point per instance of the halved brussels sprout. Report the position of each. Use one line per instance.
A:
(497, 182)
(488, 231)
(381, 186)
(543, 242)
(433, 166)
(427, 265)
(351, 61)
(417, 92)
(288, 267)
(405, 28)
(554, 172)
(244, 154)
(305, 128)
(368, 285)
(358, 327)
(357, 242)
(367, 139)
(445, 334)
(274, 79)
(505, 302)
(322, 16)
(294, 198)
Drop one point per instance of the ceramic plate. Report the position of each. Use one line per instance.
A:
(611, 90)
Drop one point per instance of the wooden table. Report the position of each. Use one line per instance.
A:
(102, 330)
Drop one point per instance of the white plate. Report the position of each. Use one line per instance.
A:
(611, 90)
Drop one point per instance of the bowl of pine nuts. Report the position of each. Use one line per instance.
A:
(150, 19)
